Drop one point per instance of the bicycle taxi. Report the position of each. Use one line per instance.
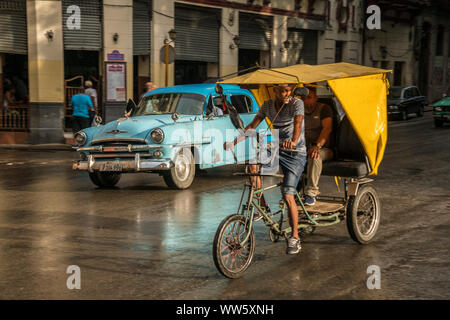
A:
(358, 97)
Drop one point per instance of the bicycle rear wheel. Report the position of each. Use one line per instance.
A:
(230, 258)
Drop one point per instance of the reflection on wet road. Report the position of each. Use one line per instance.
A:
(142, 240)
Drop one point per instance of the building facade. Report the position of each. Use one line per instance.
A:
(48, 48)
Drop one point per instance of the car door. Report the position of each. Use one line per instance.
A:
(407, 100)
(417, 99)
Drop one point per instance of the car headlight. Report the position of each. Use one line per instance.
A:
(157, 135)
(393, 107)
(80, 138)
(438, 109)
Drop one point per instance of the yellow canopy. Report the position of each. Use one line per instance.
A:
(361, 91)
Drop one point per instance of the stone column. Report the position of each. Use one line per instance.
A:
(228, 57)
(279, 58)
(46, 71)
(162, 23)
(118, 18)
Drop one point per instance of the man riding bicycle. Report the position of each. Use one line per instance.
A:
(286, 114)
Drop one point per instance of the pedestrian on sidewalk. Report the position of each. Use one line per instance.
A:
(81, 104)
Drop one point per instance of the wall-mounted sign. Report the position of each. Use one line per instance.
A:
(115, 56)
(116, 81)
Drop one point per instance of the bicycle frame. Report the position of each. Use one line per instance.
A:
(252, 204)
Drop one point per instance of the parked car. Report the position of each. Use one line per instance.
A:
(402, 101)
(169, 129)
(441, 112)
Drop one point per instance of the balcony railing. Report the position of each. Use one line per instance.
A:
(14, 118)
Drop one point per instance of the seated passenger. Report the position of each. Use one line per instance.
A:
(318, 127)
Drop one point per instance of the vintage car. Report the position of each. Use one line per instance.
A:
(441, 112)
(173, 131)
(402, 101)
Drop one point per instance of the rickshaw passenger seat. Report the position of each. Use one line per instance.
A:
(350, 156)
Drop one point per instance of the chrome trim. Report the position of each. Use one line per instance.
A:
(83, 134)
(133, 148)
(118, 140)
(161, 132)
(137, 161)
(91, 162)
(135, 165)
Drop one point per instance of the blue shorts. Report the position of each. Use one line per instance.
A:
(292, 166)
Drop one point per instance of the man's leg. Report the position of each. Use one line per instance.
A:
(75, 125)
(85, 123)
(288, 191)
(314, 171)
(293, 213)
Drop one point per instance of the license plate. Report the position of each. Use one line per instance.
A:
(111, 167)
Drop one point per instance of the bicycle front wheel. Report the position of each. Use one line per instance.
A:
(230, 257)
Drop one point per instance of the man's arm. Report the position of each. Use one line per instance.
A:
(289, 144)
(252, 125)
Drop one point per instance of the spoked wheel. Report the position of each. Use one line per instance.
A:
(230, 258)
(363, 214)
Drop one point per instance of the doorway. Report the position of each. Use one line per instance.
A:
(14, 115)
(248, 58)
(80, 66)
(398, 73)
(425, 44)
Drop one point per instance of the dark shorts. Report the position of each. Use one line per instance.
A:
(79, 123)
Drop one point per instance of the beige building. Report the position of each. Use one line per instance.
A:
(48, 48)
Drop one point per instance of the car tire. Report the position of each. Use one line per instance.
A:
(438, 123)
(182, 174)
(105, 179)
(420, 112)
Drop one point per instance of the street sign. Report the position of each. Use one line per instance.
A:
(162, 54)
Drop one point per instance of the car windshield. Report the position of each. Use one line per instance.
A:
(181, 103)
(395, 93)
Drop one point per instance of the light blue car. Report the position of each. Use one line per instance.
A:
(174, 131)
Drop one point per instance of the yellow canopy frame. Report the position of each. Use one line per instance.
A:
(360, 90)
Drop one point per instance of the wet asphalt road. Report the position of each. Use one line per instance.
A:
(144, 241)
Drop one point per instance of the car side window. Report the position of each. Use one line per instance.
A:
(407, 94)
(416, 92)
(214, 106)
(242, 103)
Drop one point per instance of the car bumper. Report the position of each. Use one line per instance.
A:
(443, 116)
(135, 165)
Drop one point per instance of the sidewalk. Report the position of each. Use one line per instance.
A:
(47, 146)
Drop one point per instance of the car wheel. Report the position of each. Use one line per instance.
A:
(420, 112)
(404, 116)
(438, 123)
(182, 174)
(105, 179)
